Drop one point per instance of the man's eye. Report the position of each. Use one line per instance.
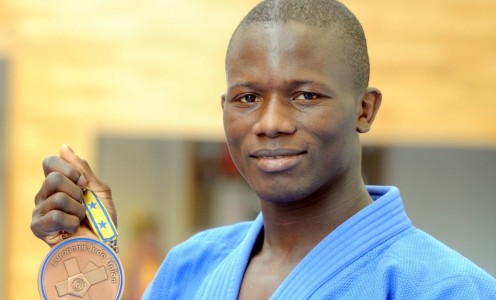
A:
(250, 98)
(307, 96)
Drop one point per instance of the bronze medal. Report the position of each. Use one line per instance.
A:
(81, 268)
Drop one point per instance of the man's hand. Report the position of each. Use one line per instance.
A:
(58, 209)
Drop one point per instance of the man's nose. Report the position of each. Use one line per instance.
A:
(275, 117)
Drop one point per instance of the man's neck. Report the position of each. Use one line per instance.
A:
(291, 230)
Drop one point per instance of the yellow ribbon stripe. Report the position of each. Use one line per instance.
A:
(98, 217)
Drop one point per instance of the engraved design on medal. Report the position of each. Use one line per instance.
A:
(78, 283)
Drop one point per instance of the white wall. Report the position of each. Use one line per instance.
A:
(451, 194)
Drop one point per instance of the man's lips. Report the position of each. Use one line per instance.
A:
(277, 160)
(266, 153)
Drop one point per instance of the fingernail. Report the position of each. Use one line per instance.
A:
(68, 147)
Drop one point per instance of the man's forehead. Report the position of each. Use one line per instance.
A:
(289, 27)
(274, 35)
(274, 40)
(277, 53)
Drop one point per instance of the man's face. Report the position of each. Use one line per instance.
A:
(290, 111)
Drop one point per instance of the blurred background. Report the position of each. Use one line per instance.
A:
(134, 87)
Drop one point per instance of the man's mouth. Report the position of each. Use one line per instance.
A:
(277, 160)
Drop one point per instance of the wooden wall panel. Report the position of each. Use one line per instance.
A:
(79, 68)
(435, 63)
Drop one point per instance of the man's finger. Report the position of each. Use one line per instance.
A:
(54, 222)
(56, 164)
(57, 182)
(87, 174)
(61, 202)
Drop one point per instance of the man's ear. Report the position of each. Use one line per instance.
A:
(222, 100)
(368, 108)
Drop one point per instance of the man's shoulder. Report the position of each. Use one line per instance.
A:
(422, 250)
(189, 263)
(207, 248)
(220, 238)
(426, 263)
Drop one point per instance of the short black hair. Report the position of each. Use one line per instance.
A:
(330, 14)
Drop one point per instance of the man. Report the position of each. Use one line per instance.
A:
(297, 100)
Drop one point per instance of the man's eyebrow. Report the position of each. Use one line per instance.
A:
(245, 84)
(291, 84)
(297, 83)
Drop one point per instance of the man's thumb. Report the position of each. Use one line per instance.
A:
(68, 155)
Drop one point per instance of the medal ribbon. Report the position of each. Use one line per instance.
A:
(100, 221)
